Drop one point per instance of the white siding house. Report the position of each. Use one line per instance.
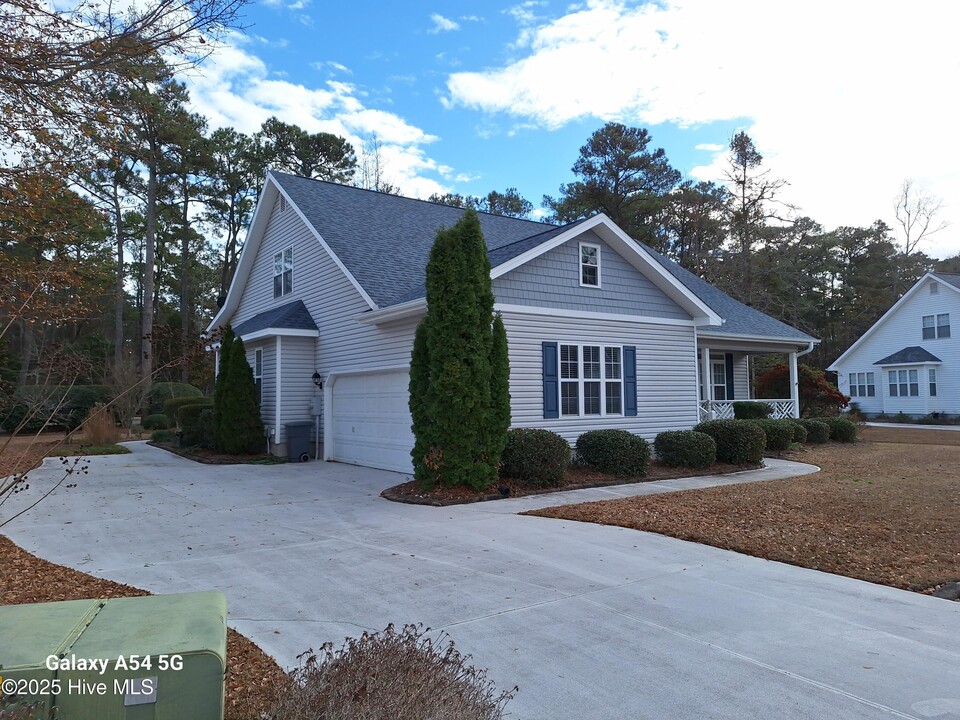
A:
(602, 331)
(909, 360)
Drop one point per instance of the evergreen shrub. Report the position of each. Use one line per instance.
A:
(158, 421)
(617, 452)
(841, 429)
(540, 457)
(162, 391)
(817, 430)
(739, 442)
(779, 433)
(685, 448)
(751, 410)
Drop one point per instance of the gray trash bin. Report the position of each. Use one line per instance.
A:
(298, 440)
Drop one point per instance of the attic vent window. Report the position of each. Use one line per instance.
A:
(589, 265)
(283, 273)
(934, 288)
(283, 203)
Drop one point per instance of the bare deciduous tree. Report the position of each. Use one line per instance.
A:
(917, 213)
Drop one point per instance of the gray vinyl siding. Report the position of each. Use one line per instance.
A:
(904, 329)
(268, 397)
(297, 368)
(553, 281)
(666, 372)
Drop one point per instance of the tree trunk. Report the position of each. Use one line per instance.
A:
(119, 295)
(185, 313)
(149, 253)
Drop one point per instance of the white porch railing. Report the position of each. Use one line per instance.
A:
(723, 409)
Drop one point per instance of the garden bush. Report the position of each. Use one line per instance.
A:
(779, 433)
(841, 429)
(162, 391)
(190, 422)
(171, 408)
(799, 432)
(751, 410)
(163, 436)
(685, 448)
(54, 407)
(207, 438)
(739, 442)
(536, 456)
(159, 421)
(617, 452)
(389, 675)
(817, 430)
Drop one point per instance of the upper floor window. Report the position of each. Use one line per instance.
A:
(936, 326)
(589, 265)
(283, 273)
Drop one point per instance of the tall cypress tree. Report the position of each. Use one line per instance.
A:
(454, 416)
(241, 427)
(499, 390)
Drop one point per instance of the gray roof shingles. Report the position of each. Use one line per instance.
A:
(292, 316)
(912, 354)
(949, 278)
(385, 240)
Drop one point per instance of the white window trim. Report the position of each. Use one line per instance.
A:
(935, 326)
(580, 264)
(580, 380)
(853, 387)
(258, 366)
(932, 384)
(713, 385)
(283, 252)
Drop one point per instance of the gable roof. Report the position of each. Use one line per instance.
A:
(362, 228)
(909, 356)
(949, 280)
(292, 316)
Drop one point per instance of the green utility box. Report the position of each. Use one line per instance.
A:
(160, 657)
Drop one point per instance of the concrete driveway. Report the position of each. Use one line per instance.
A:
(590, 621)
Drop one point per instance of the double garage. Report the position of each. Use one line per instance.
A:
(368, 419)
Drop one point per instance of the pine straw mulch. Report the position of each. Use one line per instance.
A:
(576, 479)
(213, 457)
(884, 510)
(253, 677)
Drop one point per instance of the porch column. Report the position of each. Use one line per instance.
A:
(707, 382)
(794, 385)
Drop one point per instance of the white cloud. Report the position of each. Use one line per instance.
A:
(710, 147)
(442, 24)
(845, 100)
(234, 88)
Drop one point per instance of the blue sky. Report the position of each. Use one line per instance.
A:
(845, 100)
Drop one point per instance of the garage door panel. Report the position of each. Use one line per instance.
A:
(371, 420)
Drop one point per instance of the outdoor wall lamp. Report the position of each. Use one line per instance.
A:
(317, 380)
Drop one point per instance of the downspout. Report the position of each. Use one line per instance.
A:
(277, 399)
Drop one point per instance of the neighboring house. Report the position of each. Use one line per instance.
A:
(603, 332)
(909, 360)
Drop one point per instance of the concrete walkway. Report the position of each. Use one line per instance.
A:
(912, 426)
(591, 622)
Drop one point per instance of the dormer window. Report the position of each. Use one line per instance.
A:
(589, 265)
(283, 273)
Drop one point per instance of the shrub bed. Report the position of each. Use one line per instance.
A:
(685, 448)
(55, 407)
(779, 433)
(537, 456)
(190, 419)
(799, 432)
(739, 442)
(841, 429)
(817, 430)
(162, 391)
(751, 410)
(171, 407)
(616, 452)
(163, 436)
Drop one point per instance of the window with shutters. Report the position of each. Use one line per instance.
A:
(591, 380)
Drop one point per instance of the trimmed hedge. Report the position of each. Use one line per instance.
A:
(739, 442)
(163, 436)
(751, 410)
(157, 421)
(207, 437)
(190, 421)
(536, 456)
(617, 452)
(799, 432)
(685, 448)
(171, 407)
(817, 430)
(779, 433)
(162, 391)
(841, 429)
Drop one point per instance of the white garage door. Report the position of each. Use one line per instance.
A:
(371, 420)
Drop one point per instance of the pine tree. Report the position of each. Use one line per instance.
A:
(456, 422)
(226, 344)
(241, 427)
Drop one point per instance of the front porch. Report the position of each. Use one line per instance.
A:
(724, 375)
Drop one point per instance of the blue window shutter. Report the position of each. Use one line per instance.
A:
(630, 380)
(551, 381)
(728, 366)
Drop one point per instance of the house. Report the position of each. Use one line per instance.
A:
(603, 332)
(908, 361)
